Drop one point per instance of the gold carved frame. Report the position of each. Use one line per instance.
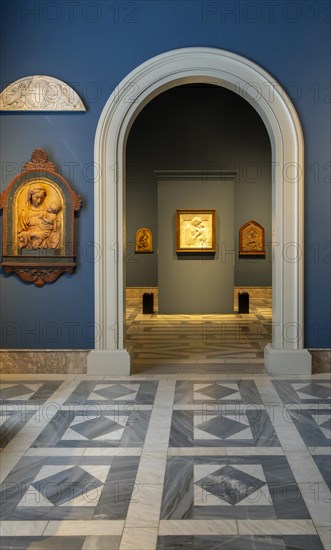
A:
(38, 223)
(195, 231)
(251, 239)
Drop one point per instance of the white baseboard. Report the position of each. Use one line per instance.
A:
(108, 362)
(282, 361)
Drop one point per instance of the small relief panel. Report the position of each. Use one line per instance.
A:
(195, 231)
(144, 241)
(38, 222)
(251, 237)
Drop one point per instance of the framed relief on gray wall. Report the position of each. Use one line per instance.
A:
(251, 239)
(144, 241)
(195, 231)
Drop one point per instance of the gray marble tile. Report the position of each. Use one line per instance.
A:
(96, 427)
(230, 428)
(304, 391)
(325, 536)
(11, 423)
(323, 462)
(234, 512)
(16, 483)
(313, 426)
(229, 484)
(302, 542)
(85, 428)
(101, 543)
(221, 427)
(114, 391)
(42, 543)
(119, 488)
(189, 392)
(260, 487)
(241, 542)
(181, 433)
(58, 488)
(28, 391)
(64, 487)
(9, 391)
(316, 390)
(177, 499)
(224, 463)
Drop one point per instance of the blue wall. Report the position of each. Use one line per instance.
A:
(93, 45)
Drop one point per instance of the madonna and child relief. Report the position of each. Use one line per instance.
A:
(195, 230)
(39, 217)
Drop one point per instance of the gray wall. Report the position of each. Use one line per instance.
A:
(192, 283)
(198, 127)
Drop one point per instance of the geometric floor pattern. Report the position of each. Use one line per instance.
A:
(117, 393)
(313, 424)
(157, 340)
(211, 461)
(20, 393)
(69, 488)
(86, 428)
(11, 422)
(231, 488)
(231, 428)
(304, 392)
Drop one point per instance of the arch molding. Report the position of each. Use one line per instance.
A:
(286, 353)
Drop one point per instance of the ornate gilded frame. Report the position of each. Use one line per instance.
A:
(38, 223)
(195, 231)
(144, 241)
(251, 239)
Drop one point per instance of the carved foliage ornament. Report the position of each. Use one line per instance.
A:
(38, 232)
(40, 93)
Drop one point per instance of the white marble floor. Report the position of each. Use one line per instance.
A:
(165, 461)
(159, 343)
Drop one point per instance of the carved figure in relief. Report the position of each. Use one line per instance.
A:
(195, 232)
(144, 241)
(38, 224)
(51, 225)
(252, 239)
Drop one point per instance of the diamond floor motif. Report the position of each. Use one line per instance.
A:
(200, 462)
(16, 391)
(64, 487)
(222, 427)
(216, 391)
(114, 391)
(96, 427)
(230, 484)
(316, 390)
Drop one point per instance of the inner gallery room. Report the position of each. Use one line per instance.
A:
(165, 280)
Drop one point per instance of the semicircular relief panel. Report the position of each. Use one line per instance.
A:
(40, 93)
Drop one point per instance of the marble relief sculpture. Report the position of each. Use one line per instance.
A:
(196, 230)
(40, 93)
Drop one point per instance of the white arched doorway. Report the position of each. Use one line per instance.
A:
(286, 353)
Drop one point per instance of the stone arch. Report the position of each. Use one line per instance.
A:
(286, 353)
